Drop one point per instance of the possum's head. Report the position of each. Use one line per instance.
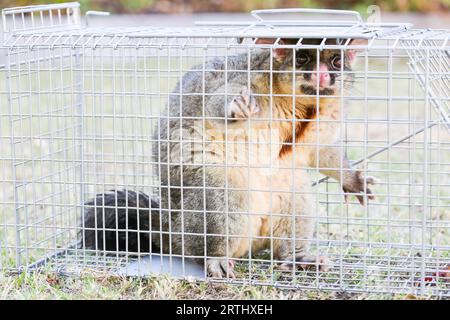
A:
(316, 71)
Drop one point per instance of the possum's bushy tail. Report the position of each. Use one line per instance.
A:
(111, 222)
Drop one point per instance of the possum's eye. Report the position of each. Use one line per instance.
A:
(302, 59)
(336, 62)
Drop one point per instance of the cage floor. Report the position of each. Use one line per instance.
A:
(379, 270)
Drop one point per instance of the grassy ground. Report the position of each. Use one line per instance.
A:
(47, 285)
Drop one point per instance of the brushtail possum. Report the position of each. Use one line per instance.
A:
(232, 148)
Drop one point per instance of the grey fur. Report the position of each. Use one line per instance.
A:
(201, 211)
(204, 206)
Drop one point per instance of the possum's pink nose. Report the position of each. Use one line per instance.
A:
(324, 76)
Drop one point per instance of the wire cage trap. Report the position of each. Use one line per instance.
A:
(146, 111)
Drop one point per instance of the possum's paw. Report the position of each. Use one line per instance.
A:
(359, 185)
(308, 262)
(219, 268)
(243, 106)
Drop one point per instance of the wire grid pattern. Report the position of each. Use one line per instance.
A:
(56, 16)
(80, 106)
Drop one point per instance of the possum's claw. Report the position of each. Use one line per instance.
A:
(359, 184)
(243, 106)
(219, 268)
(308, 262)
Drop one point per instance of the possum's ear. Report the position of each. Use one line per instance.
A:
(278, 53)
(351, 53)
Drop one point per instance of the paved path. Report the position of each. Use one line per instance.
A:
(419, 20)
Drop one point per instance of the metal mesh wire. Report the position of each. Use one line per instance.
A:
(79, 112)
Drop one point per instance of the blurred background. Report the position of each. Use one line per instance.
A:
(190, 6)
(422, 13)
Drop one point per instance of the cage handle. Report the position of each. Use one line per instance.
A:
(91, 13)
(355, 14)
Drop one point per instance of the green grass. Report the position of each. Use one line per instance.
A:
(48, 285)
